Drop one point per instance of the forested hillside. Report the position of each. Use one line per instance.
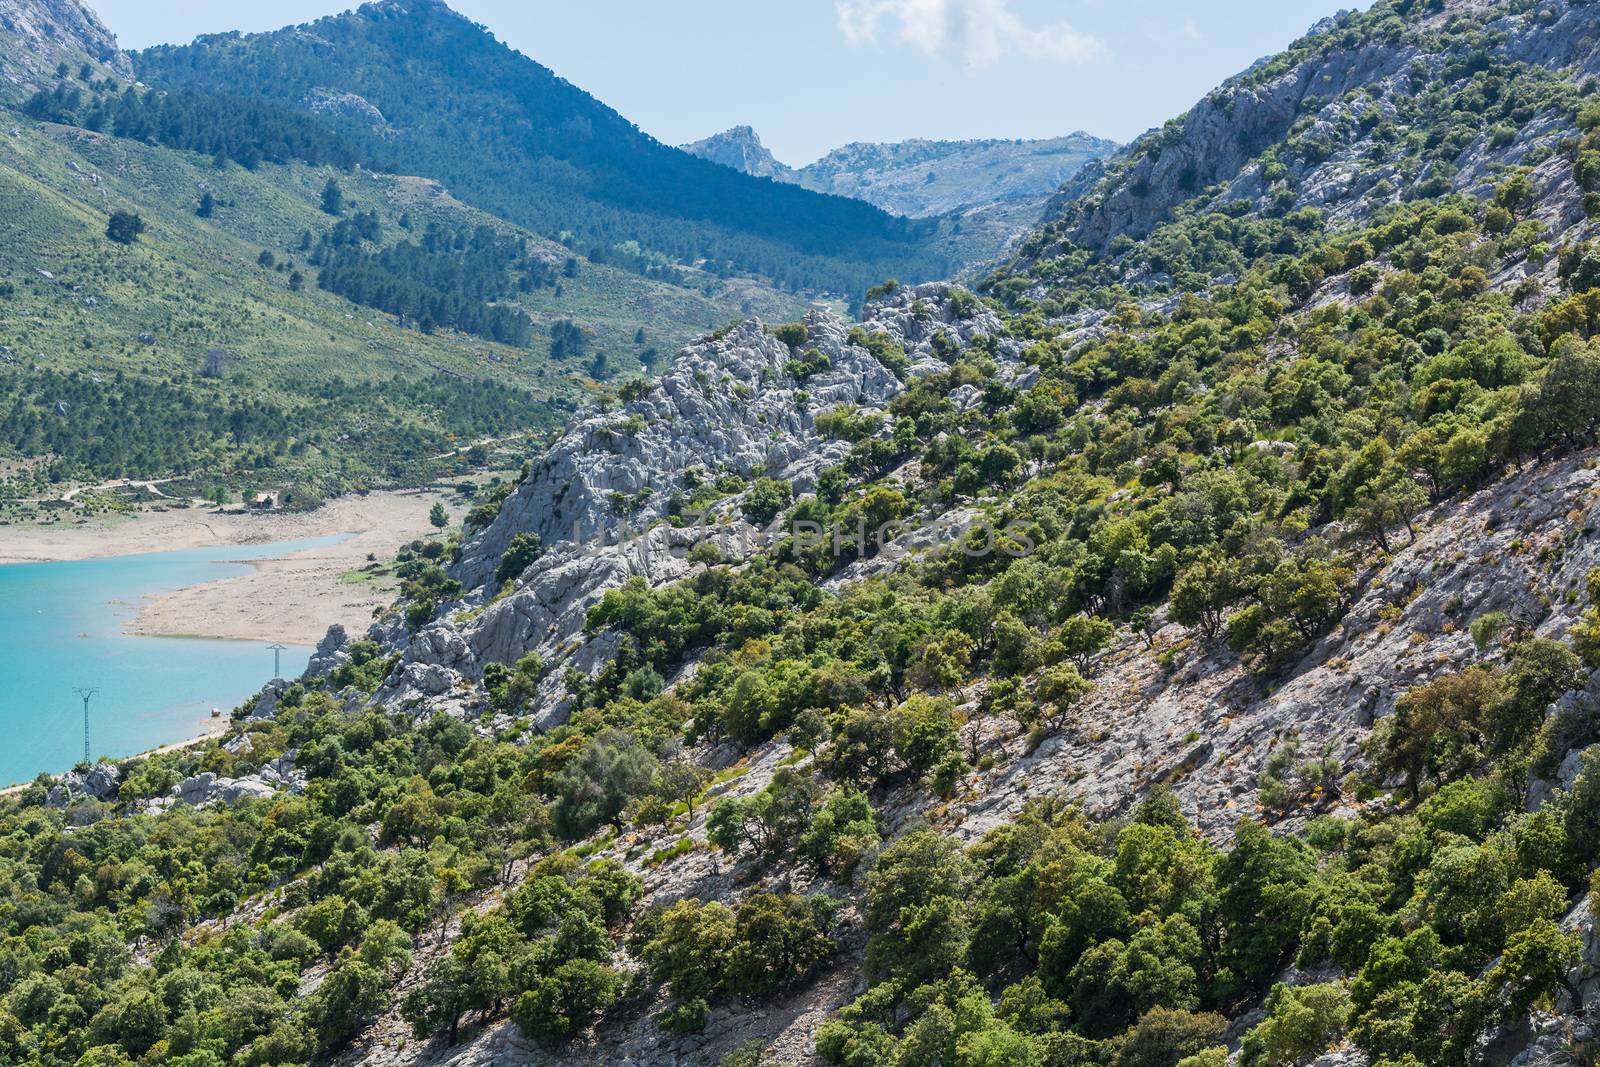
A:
(269, 314)
(428, 92)
(1185, 652)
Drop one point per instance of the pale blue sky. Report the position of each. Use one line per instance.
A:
(812, 74)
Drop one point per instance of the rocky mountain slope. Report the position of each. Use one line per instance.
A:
(986, 193)
(1330, 123)
(740, 148)
(1188, 654)
(37, 36)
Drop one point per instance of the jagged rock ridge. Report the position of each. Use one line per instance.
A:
(741, 149)
(598, 498)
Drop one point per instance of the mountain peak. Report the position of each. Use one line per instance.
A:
(415, 8)
(740, 148)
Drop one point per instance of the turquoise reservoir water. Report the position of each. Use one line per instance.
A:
(61, 626)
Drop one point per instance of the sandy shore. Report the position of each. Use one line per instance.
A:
(293, 598)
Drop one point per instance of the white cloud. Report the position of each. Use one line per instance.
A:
(977, 32)
(1166, 33)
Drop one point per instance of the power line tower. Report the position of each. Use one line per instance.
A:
(85, 692)
(277, 660)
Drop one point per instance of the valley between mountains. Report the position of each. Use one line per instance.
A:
(1172, 643)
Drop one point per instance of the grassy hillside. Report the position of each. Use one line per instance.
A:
(353, 394)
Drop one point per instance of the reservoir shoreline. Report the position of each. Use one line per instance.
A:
(192, 581)
(291, 598)
(208, 730)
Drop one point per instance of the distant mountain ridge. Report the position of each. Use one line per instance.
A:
(510, 136)
(920, 178)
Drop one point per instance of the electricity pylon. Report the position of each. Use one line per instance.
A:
(85, 692)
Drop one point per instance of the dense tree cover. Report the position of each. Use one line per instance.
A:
(1069, 940)
(509, 136)
(245, 129)
(451, 277)
(148, 426)
(703, 951)
(453, 818)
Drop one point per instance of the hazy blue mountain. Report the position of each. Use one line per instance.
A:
(919, 178)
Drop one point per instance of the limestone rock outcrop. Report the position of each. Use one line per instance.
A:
(601, 498)
(53, 32)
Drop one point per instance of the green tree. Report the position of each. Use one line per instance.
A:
(688, 947)
(350, 997)
(332, 198)
(612, 771)
(1203, 592)
(566, 1002)
(776, 943)
(766, 499)
(1162, 1037)
(124, 227)
(520, 554)
(1082, 636)
(1301, 1022)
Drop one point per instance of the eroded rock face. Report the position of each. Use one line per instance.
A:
(741, 149)
(1218, 140)
(330, 653)
(207, 788)
(1207, 728)
(598, 499)
(100, 782)
(45, 33)
(726, 405)
(344, 105)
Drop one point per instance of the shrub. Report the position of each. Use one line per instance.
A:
(766, 499)
(523, 549)
(1301, 1022)
(566, 1002)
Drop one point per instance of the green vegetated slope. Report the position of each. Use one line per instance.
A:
(332, 393)
(1209, 480)
(427, 91)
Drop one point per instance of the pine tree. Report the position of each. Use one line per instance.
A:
(333, 198)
